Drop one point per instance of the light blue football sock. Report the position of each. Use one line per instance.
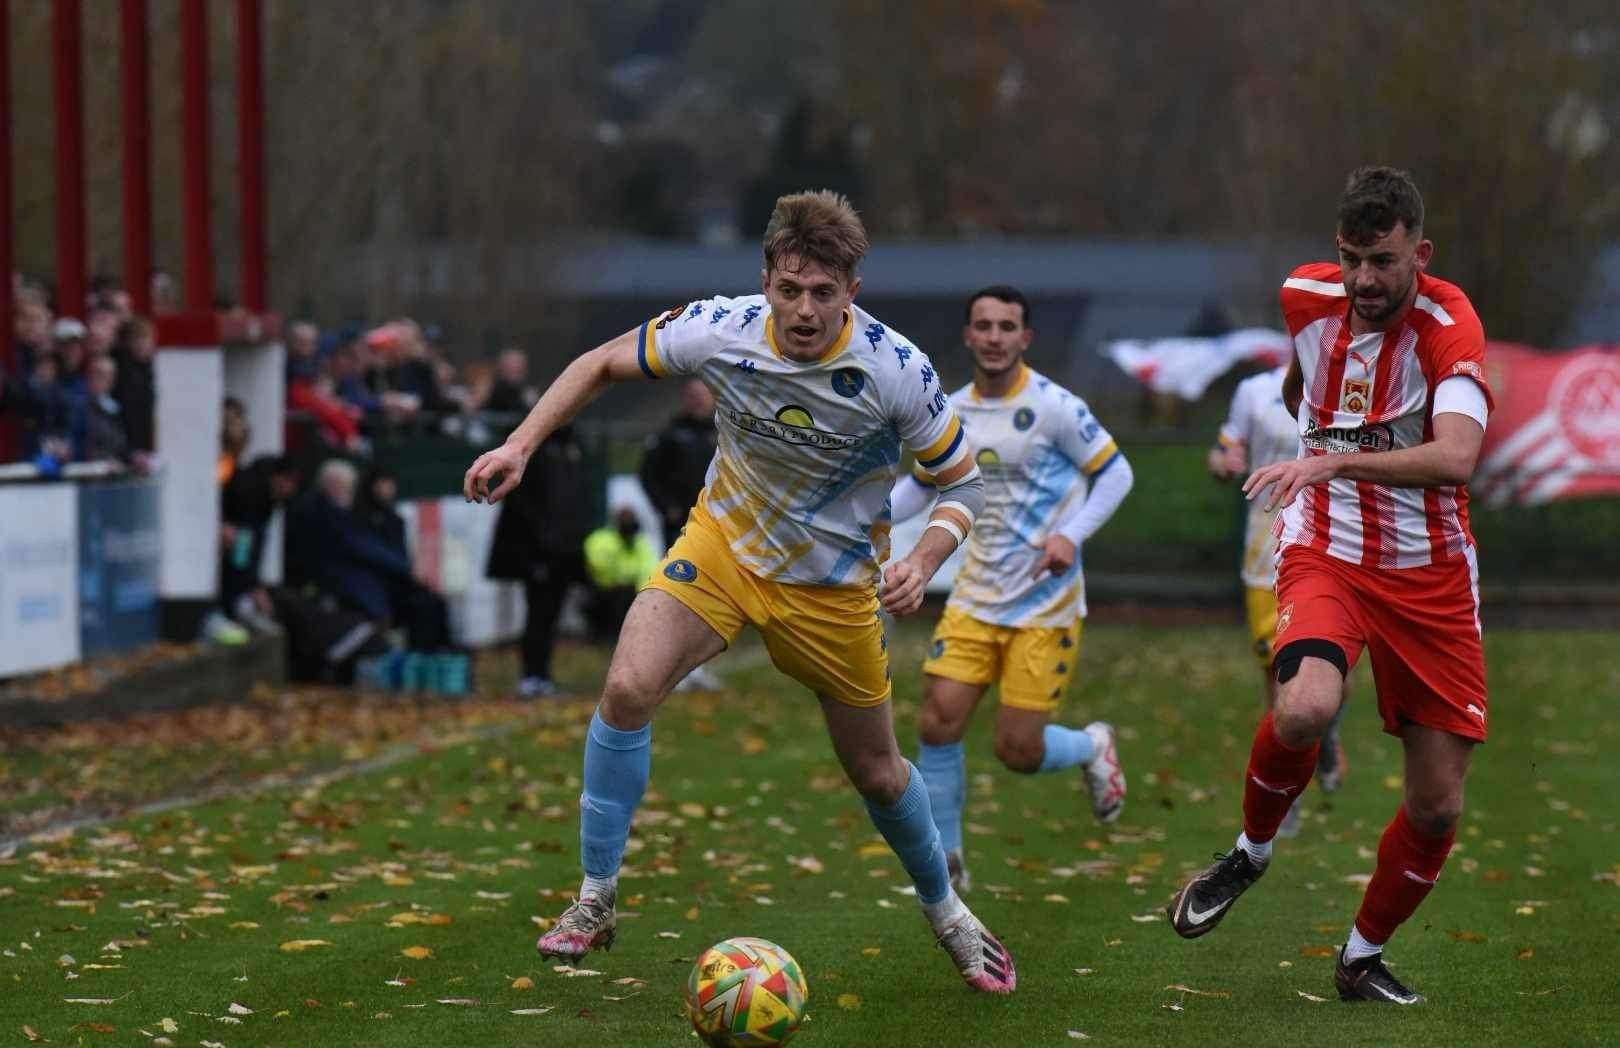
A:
(944, 772)
(909, 828)
(617, 764)
(1066, 747)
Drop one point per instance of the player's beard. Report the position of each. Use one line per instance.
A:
(1391, 305)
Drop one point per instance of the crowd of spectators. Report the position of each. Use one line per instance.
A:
(347, 384)
(77, 390)
(83, 390)
(349, 588)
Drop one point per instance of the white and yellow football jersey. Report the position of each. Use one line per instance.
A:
(1036, 447)
(807, 452)
(1260, 420)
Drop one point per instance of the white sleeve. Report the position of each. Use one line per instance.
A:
(678, 342)
(1239, 417)
(1079, 435)
(1461, 395)
(923, 414)
(909, 498)
(1108, 489)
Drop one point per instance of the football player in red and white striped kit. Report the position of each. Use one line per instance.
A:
(1374, 553)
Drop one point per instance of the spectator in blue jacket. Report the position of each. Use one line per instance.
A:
(329, 545)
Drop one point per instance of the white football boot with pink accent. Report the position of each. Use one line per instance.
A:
(588, 924)
(1105, 778)
(982, 961)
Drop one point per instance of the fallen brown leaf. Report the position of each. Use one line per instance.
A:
(300, 945)
(417, 953)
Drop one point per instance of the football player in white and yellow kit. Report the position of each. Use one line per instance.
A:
(1053, 476)
(815, 399)
(1258, 431)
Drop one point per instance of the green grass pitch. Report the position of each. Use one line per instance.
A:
(415, 886)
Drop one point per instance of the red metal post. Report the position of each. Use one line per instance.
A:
(135, 106)
(250, 156)
(70, 232)
(198, 246)
(7, 349)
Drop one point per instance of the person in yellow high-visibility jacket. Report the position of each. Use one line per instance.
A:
(618, 559)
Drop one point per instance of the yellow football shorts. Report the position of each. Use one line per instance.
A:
(1034, 664)
(1262, 608)
(828, 638)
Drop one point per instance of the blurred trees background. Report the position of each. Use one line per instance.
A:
(433, 150)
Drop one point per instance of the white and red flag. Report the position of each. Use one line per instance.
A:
(1555, 433)
(1189, 366)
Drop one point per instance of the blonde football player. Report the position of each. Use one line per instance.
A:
(1053, 476)
(814, 400)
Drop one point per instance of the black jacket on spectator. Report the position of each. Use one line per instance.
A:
(247, 504)
(104, 437)
(549, 513)
(136, 393)
(675, 466)
(417, 376)
(503, 396)
(13, 405)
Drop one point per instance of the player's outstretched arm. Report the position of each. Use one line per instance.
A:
(581, 382)
(1445, 461)
(961, 498)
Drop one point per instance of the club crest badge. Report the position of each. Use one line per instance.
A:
(1356, 396)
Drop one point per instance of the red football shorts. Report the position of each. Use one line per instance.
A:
(1420, 627)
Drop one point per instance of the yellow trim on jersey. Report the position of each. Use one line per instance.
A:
(650, 361)
(1100, 459)
(1017, 387)
(836, 348)
(939, 447)
(1227, 442)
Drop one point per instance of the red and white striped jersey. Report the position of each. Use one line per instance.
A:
(1375, 392)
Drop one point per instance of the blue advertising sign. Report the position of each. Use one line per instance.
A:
(120, 552)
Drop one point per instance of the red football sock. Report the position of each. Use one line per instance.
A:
(1276, 776)
(1409, 863)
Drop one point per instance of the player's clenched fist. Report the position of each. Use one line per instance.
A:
(1057, 557)
(903, 583)
(502, 466)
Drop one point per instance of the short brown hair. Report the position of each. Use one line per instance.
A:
(1375, 200)
(818, 226)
